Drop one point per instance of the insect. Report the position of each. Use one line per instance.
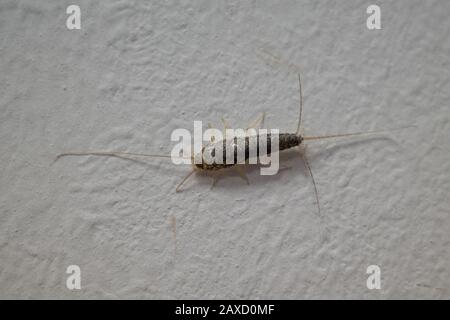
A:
(286, 141)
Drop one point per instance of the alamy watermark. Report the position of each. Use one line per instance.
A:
(73, 21)
(374, 279)
(73, 281)
(374, 20)
(236, 146)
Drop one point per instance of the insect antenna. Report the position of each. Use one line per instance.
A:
(117, 154)
(108, 154)
(125, 155)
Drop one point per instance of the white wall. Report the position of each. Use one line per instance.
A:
(136, 71)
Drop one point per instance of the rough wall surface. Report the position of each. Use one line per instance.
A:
(137, 70)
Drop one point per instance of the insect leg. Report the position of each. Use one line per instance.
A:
(225, 124)
(258, 122)
(242, 173)
(213, 138)
(216, 178)
(184, 180)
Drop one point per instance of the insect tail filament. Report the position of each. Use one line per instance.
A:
(353, 134)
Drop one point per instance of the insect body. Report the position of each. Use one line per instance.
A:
(285, 141)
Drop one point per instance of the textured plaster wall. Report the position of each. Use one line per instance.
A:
(139, 69)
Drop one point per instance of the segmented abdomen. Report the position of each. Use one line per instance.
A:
(243, 149)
